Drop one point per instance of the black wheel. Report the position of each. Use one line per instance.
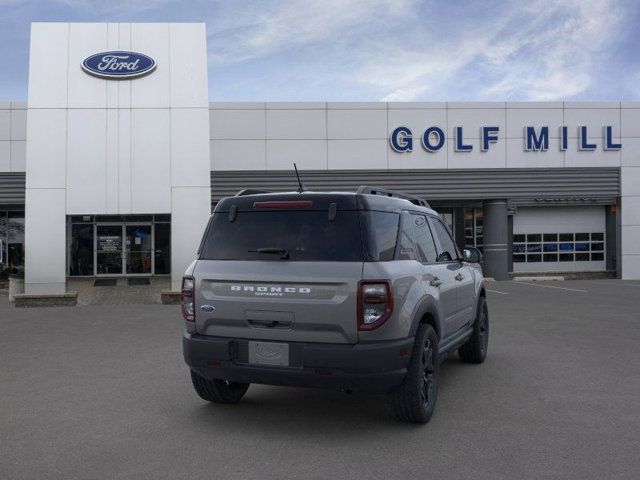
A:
(414, 400)
(475, 350)
(218, 391)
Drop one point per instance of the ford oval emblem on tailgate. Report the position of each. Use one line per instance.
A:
(207, 308)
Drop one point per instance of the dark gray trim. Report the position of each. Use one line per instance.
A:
(536, 186)
(618, 239)
(559, 186)
(12, 189)
(510, 243)
(610, 239)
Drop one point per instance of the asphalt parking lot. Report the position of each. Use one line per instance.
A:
(102, 392)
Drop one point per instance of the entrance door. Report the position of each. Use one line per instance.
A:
(139, 249)
(109, 249)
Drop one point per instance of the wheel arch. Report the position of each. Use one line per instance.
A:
(427, 312)
(482, 293)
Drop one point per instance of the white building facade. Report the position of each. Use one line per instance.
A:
(117, 176)
(102, 147)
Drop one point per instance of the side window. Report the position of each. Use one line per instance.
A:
(406, 246)
(424, 241)
(383, 227)
(447, 248)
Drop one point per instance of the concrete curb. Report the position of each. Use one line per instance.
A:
(69, 299)
(169, 298)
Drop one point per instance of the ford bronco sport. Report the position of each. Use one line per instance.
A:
(361, 291)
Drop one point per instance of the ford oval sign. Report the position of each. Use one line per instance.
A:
(118, 65)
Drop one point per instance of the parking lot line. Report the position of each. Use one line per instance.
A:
(551, 286)
(496, 291)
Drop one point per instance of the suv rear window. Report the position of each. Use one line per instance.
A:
(306, 235)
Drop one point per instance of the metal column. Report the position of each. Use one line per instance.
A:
(496, 239)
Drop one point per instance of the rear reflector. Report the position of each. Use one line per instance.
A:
(284, 204)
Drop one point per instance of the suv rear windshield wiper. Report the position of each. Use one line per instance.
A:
(283, 252)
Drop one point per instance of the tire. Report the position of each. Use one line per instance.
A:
(218, 391)
(475, 349)
(415, 399)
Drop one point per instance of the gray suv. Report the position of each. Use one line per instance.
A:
(361, 291)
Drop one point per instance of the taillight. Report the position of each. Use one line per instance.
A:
(375, 303)
(188, 299)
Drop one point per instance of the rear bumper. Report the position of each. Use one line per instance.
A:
(375, 367)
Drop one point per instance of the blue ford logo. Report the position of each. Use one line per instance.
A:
(118, 65)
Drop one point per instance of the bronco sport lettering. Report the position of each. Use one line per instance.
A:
(274, 290)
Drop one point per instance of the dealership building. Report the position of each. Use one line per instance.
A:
(113, 164)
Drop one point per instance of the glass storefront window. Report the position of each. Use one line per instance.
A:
(12, 242)
(479, 231)
(81, 250)
(473, 227)
(109, 249)
(119, 245)
(3, 245)
(139, 249)
(469, 237)
(162, 248)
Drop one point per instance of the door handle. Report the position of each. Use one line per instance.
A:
(436, 282)
(459, 277)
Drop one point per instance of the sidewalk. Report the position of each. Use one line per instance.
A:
(121, 293)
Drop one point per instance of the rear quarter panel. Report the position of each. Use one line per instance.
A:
(408, 291)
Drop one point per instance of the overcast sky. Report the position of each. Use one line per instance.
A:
(401, 50)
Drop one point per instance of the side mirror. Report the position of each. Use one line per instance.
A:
(472, 255)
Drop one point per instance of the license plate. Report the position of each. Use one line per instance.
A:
(268, 353)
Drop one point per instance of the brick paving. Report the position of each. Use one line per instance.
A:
(121, 294)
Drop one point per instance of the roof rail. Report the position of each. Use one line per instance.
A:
(393, 193)
(250, 191)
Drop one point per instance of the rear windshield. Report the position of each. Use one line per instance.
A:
(306, 235)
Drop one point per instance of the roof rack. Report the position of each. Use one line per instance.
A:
(392, 193)
(250, 191)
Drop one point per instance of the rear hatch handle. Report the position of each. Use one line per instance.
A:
(270, 324)
(269, 319)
